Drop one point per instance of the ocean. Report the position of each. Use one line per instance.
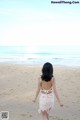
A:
(57, 55)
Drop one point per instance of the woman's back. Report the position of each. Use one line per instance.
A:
(46, 85)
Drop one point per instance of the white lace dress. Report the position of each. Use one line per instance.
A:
(46, 100)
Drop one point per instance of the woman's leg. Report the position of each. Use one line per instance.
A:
(45, 115)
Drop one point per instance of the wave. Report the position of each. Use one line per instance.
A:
(56, 55)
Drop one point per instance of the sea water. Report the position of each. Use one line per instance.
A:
(57, 55)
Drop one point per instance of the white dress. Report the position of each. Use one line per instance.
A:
(46, 100)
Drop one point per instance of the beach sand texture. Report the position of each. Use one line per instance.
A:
(18, 83)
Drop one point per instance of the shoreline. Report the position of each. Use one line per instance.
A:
(39, 64)
(18, 83)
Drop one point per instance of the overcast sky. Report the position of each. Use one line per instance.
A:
(38, 22)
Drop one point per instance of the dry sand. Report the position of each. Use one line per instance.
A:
(18, 85)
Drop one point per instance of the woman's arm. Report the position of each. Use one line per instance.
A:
(56, 93)
(38, 90)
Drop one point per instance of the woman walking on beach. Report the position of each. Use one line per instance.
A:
(47, 89)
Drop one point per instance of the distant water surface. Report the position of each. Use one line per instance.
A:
(58, 55)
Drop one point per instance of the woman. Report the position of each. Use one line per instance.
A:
(47, 89)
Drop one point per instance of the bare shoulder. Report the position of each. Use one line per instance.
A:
(53, 79)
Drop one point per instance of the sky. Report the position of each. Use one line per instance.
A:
(38, 22)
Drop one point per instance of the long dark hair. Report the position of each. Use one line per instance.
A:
(47, 72)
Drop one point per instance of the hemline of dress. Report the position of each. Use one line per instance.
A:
(39, 110)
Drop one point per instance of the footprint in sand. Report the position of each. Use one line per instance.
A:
(23, 115)
(30, 115)
(55, 117)
(11, 90)
(66, 106)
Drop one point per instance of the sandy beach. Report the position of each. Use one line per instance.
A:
(18, 83)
